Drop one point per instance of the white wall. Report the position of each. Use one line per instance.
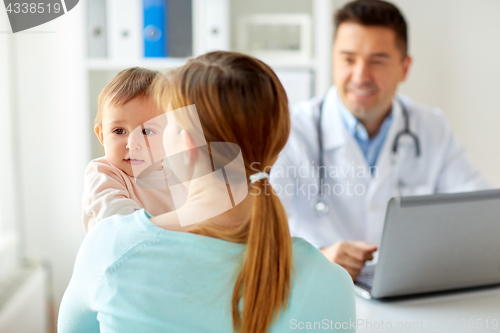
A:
(456, 52)
(7, 167)
(456, 49)
(11, 244)
(49, 92)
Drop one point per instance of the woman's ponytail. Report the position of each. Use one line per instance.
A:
(264, 280)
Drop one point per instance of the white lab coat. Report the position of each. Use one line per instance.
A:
(357, 202)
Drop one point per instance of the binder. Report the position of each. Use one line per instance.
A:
(180, 28)
(96, 28)
(155, 29)
(125, 22)
(216, 25)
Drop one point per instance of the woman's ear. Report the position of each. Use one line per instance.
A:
(98, 131)
(189, 144)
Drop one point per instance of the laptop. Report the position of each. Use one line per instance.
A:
(436, 243)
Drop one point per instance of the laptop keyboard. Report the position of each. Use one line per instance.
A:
(366, 276)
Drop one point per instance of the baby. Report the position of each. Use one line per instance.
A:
(130, 127)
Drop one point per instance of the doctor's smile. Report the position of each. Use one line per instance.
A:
(362, 92)
(362, 95)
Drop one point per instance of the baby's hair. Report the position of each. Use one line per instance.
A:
(124, 87)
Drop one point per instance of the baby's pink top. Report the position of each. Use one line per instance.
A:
(109, 191)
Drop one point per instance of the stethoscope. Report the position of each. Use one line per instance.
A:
(321, 207)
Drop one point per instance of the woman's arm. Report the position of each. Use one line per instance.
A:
(75, 313)
(327, 294)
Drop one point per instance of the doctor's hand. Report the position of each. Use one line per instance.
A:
(351, 255)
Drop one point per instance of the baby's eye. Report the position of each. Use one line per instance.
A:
(147, 131)
(119, 131)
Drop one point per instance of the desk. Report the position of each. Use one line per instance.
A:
(443, 313)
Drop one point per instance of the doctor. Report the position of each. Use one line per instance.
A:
(354, 148)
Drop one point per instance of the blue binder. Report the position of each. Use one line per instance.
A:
(155, 28)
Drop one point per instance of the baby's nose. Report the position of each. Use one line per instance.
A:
(133, 146)
(135, 141)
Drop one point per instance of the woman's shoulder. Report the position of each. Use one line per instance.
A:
(322, 292)
(115, 236)
(309, 258)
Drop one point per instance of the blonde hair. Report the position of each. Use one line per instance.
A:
(239, 99)
(124, 87)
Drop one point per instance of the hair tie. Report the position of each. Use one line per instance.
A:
(258, 176)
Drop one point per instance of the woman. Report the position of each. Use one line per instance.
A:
(224, 261)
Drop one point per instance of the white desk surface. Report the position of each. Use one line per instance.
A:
(468, 311)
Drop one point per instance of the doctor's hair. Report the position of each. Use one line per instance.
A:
(376, 13)
(239, 99)
(125, 86)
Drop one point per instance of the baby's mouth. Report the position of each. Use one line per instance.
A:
(133, 161)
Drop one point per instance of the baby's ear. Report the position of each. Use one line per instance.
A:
(99, 133)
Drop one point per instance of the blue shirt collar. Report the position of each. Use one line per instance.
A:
(370, 148)
(355, 128)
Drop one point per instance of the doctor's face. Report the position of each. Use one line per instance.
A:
(367, 68)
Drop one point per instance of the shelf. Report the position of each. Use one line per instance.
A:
(288, 63)
(161, 64)
(120, 64)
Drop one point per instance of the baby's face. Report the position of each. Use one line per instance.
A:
(132, 135)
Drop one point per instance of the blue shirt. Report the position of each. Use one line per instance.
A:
(370, 147)
(132, 276)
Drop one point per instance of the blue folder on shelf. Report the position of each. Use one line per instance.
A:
(155, 28)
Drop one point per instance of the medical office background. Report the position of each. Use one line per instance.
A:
(49, 86)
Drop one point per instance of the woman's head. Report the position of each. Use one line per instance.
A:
(240, 100)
